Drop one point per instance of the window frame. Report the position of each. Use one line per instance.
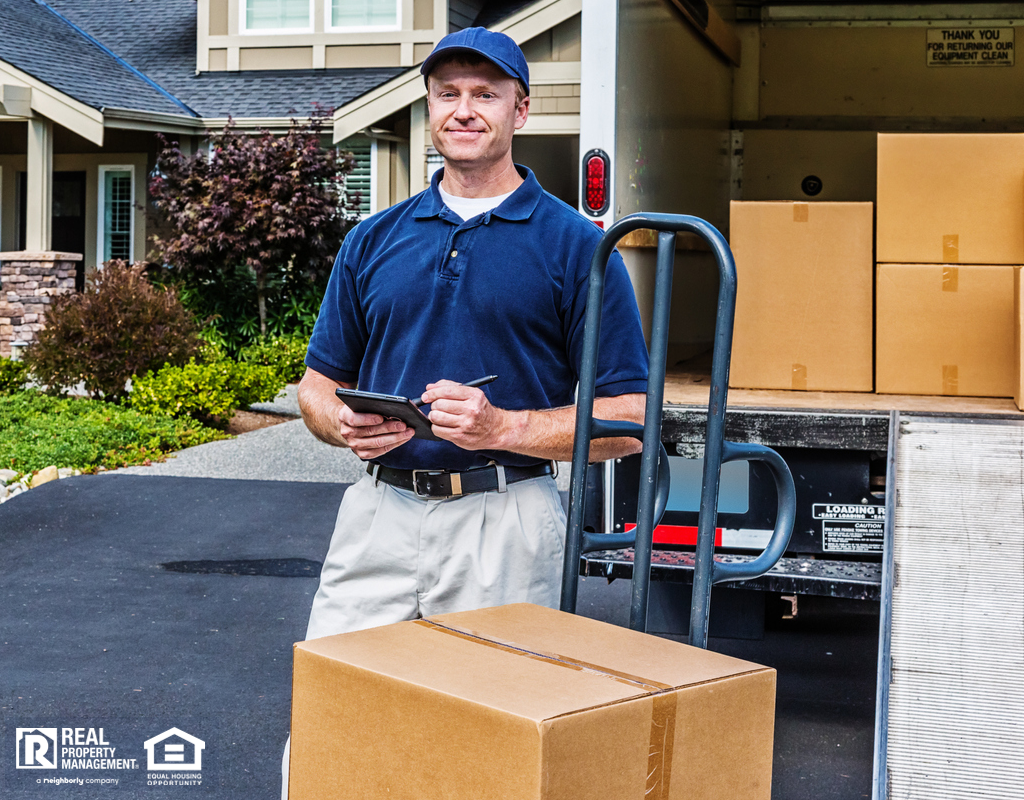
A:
(101, 212)
(246, 31)
(330, 27)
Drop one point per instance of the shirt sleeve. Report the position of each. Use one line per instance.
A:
(339, 338)
(622, 356)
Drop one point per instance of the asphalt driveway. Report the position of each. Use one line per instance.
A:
(132, 604)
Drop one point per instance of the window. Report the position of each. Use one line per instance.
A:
(116, 213)
(364, 14)
(361, 179)
(277, 15)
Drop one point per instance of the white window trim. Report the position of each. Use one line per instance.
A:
(101, 211)
(242, 17)
(373, 177)
(330, 27)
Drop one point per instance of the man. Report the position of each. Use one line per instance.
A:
(483, 273)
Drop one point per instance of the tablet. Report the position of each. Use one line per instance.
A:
(390, 407)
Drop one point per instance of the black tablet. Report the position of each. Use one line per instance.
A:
(390, 407)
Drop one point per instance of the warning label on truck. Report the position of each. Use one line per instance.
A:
(850, 528)
(970, 47)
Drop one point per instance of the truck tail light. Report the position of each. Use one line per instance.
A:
(596, 175)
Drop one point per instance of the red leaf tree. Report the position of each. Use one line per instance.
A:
(269, 202)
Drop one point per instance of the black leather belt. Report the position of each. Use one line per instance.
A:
(439, 483)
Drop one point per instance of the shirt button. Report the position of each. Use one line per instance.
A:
(454, 253)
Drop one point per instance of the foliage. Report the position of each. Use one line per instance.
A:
(13, 375)
(204, 390)
(37, 430)
(224, 302)
(284, 354)
(272, 206)
(120, 326)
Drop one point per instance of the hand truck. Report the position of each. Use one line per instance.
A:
(654, 469)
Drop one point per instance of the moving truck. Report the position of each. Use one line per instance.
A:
(866, 163)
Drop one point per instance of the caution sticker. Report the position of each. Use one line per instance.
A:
(851, 528)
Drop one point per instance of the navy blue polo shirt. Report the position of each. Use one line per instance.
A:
(418, 295)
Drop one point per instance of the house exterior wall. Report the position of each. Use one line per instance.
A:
(90, 163)
(223, 44)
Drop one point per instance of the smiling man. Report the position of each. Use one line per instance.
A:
(484, 273)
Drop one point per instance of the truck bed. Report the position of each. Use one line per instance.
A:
(689, 386)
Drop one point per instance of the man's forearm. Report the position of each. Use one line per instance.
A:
(319, 406)
(549, 434)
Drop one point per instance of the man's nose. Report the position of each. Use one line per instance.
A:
(465, 109)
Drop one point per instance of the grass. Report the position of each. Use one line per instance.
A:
(37, 431)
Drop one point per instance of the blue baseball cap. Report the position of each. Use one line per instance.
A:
(496, 47)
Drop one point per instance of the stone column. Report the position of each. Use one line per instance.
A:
(28, 283)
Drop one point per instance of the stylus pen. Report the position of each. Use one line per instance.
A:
(478, 382)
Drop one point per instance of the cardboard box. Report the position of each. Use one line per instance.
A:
(804, 296)
(524, 702)
(1018, 337)
(945, 329)
(950, 198)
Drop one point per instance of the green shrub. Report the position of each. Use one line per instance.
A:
(284, 353)
(37, 430)
(120, 326)
(13, 375)
(204, 390)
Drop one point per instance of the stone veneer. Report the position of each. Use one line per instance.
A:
(28, 283)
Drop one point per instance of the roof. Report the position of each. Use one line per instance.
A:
(38, 41)
(141, 55)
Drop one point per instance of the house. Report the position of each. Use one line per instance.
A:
(86, 84)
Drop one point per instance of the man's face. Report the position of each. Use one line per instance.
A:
(473, 113)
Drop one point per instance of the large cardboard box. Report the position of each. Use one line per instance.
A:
(522, 702)
(1018, 337)
(950, 198)
(804, 296)
(945, 329)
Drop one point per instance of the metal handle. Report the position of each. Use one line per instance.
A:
(786, 490)
(593, 542)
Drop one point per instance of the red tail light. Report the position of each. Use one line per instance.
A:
(596, 174)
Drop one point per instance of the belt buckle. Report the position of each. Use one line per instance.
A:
(454, 477)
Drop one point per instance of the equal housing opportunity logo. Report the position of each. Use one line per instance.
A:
(173, 758)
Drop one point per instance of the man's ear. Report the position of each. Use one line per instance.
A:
(522, 112)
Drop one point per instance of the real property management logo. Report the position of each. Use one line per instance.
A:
(37, 748)
(173, 757)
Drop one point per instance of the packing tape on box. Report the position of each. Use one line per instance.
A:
(663, 712)
(950, 379)
(950, 278)
(799, 378)
(801, 212)
(951, 248)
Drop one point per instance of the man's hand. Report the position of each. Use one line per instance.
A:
(330, 421)
(464, 416)
(370, 435)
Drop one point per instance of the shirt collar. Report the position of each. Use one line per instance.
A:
(517, 206)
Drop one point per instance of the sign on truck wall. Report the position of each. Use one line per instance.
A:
(970, 47)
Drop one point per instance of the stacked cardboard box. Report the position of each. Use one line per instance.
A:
(804, 296)
(1018, 337)
(950, 230)
(525, 702)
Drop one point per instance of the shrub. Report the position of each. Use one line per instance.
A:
(284, 354)
(37, 431)
(204, 390)
(13, 375)
(120, 326)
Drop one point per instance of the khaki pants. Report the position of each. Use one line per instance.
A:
(395, 556)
